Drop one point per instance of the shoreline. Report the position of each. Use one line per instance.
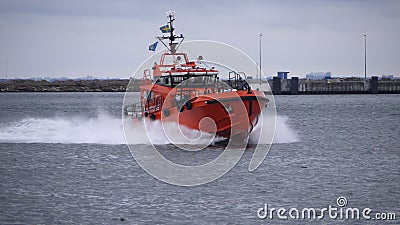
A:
(96, 85)
(293, 86)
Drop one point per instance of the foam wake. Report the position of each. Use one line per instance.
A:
(283, 132)
(106, 129)
(102, 129)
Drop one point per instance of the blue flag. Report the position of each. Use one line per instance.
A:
(153, 46)
(165, 29)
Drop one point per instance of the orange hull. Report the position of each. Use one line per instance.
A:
(231, 113)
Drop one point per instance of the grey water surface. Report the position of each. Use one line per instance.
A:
(345, 145)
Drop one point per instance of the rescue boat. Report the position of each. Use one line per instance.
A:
(177, 89)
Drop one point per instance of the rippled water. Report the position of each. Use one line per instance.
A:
(62, 160)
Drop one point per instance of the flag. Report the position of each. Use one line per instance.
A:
(153, 46)
(165, 29)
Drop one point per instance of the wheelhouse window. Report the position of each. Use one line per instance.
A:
(194, 80)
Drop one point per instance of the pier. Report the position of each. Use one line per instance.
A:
(296, 86)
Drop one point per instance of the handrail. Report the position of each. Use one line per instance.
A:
(134, 110)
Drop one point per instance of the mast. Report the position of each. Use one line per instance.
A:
(172, 46)
(171, 16)
(6, 70)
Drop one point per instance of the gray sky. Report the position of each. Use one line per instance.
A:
(111, 38)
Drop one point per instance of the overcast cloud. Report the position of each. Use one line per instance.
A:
(110, 38)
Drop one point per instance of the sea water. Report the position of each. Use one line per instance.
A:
(63, 159)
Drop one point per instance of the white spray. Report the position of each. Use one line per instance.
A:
(106, 129)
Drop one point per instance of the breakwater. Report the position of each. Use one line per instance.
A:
(293, 86)
(96, 85)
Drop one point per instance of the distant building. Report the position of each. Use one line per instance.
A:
(283, 75)
(319, 75)
(387, 77)
(270, 77)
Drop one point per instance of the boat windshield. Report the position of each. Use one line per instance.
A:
(193, 80)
